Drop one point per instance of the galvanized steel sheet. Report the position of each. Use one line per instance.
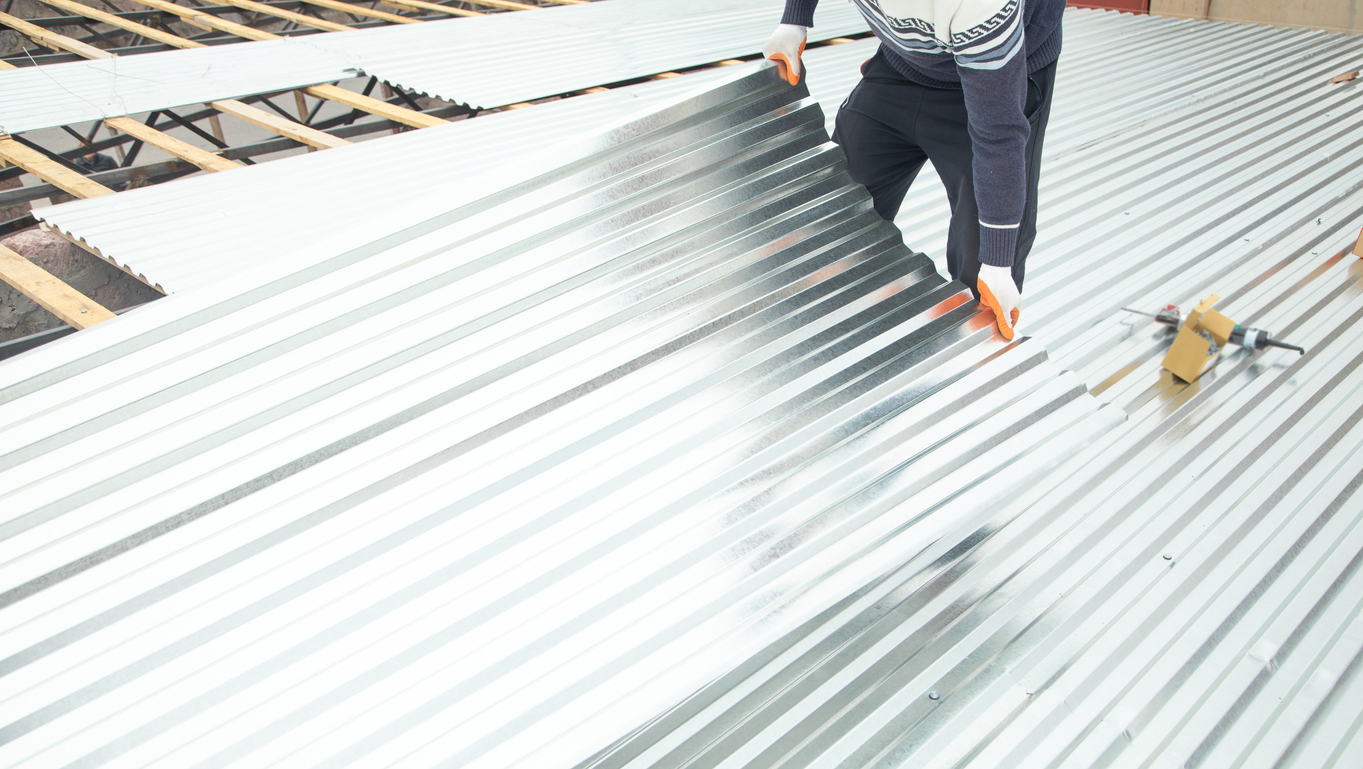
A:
(499, 487)
(1186, 592)
(75, 92)
(515, 57)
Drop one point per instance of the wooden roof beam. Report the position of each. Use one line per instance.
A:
(422, 5)
(49, 170)
(297, 18)
(50, 292)
(373, 106)
(359, 10)
(269, 121)
(53, 41)
(160, 36)
(208, 21)
(164, 141)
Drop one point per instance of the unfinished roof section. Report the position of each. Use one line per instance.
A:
(75, 92)
(281, 215)
(499, 60)
(1188, 591)
(628, 412)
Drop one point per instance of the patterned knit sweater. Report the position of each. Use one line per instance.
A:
(986, 48)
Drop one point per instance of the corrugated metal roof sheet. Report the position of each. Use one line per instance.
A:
(1047, 621)
(487, 61)
(209, 227)
(1186, 592)
(493, 489)
(62, 94)
(604, 42)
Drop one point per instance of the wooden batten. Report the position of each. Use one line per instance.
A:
(49, 170)
(208, 21)
(359, 10)
(373, 106)
(421, 5)
(49, 40)
(297, 18)
(296, 131)
(72, 7)
(50, 292)
(164, 141)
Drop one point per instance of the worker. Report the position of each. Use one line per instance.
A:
(963, 83)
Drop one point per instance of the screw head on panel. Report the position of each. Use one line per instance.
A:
(933, 695)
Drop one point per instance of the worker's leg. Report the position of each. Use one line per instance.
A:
(875, 129)
(943, 132)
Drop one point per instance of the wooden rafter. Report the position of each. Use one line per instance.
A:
(507, 4)
(50, 292)
(208, 21)
(359, 10)
(160, 36)
(50, 40)
(164, 141)
(7, 65)
(297, 18)
(374, 106)
(279, 125)
(49, 170)
(421, 5)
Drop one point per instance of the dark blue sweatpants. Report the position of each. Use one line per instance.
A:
(889, 126)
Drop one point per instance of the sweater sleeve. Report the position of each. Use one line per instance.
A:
(799, 12)
(993, 71)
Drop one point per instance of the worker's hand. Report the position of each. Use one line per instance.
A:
(999, 293)
(785, 47)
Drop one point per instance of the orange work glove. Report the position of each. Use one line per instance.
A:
(785, 47)
(999, 293)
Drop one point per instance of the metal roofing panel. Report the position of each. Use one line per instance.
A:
(1187, 591)
(62, 94)
(487, 61)
(495, 489)
(508, 58)
(1045, 616)
(196, 232)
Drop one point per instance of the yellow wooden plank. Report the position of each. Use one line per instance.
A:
(183, 150)
(357, 10)
(279, 125)
(298, 18)
(49, 170)
(207, 21)
(7, 65)
(70, 6)
(50, 292)
(374, 106)
(507, 4)
(49, 40)
(421, 5)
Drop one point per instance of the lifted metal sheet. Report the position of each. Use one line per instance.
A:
(499, 488)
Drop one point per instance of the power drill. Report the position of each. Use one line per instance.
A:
(1253, 338)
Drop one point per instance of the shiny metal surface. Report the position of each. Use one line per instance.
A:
(75, 92)
(487, 61)
(284, 211)
(503, 59)
(1186, 592)
(497, 488)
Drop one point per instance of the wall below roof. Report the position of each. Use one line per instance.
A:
(1331, 15)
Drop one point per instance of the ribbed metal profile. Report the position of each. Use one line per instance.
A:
(62, 94)
(1187, 591)
(515, 57)
(498, 488)
(489, 61)
(283, 212)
